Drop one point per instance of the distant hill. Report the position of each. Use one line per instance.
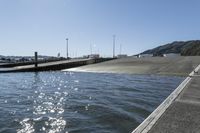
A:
(185, 48)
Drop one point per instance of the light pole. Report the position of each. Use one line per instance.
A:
(67, 48)
(91, 49)
(120, 50)
(114, 46)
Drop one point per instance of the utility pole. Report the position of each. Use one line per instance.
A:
(114, 46)
(120, 51)
(67, 48)
(91, 49)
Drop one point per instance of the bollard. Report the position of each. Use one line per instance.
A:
(36, 59)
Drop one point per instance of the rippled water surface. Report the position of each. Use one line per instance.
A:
(66, 102)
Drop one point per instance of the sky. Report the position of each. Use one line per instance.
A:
(43, 25)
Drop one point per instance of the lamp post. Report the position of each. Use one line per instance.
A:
(114, 46)
(90, 49)
(67, 48)
(120, 50)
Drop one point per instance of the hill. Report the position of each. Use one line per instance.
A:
(185, 48)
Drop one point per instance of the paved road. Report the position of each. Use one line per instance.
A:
(183, 115)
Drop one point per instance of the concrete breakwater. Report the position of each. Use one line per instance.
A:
(52, 66)
(178, 66)
(179, 112)
(10, 65)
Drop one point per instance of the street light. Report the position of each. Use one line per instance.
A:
(120, 50)
(67, 48)
(114, 46)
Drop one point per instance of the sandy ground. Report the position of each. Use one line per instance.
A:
(147, 65)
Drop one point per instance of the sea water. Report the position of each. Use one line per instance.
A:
(70, 102)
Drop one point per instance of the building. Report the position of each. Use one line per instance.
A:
(172, 54)
(122, 56)
(146, 55)
(94, 56)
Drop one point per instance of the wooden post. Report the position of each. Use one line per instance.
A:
(36, 59)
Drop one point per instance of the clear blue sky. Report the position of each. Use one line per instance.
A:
(42, 25)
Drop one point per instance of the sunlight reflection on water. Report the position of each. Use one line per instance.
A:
(62, 102)
(47, 108)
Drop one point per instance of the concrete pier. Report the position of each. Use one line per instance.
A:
(180, 112)
(182, 66)
(52, 66)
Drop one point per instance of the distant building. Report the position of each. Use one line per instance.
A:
(172, 54)
(41, 58)
(166, 55)
(85, 56)
(122, 56)
(146, 55)
(17, 59)
(94, 56)
(159, 55)
(2, 61)
(138, 56)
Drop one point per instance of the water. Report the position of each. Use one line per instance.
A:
(66, 102)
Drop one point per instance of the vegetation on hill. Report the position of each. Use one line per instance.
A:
(185, 48)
